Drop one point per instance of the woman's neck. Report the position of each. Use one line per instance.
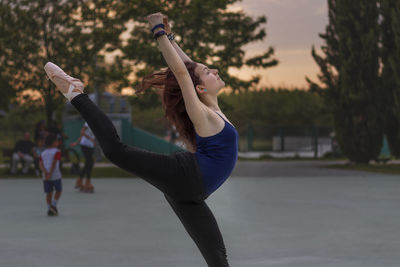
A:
(211, 102)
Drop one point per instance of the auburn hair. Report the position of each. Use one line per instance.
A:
(172, 99)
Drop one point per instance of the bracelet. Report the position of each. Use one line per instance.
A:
(171, 36)
(160, 33)
(157, 26)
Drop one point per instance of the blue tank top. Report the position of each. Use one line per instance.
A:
(217, 156)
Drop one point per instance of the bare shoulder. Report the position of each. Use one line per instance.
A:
(223, 115)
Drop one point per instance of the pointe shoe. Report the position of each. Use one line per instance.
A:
(68, 86)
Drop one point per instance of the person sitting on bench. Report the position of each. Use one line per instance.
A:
(22, 152)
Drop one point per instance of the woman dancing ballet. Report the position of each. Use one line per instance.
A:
(190, 101)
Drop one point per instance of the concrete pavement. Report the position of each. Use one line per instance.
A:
(291, 214)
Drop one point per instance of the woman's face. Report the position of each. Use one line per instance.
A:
(209, 78)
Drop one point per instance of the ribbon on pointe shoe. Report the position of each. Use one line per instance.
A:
(72, 92)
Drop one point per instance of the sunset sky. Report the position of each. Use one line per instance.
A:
(292, 28)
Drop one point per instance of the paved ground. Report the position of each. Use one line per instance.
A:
(291, 214)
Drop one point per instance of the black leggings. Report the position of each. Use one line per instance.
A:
(89, 162)
(176, 175)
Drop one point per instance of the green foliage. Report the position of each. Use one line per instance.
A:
(269, 108)
(276, 107)
(148, 114)
(349, 74)
(76, 35)
(206, 31)
(8, 33)
(73, 34)
(22, 117)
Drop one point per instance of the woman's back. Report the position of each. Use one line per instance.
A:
(217, 156)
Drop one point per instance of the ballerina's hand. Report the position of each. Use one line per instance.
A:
(155, 19)
(166, 24)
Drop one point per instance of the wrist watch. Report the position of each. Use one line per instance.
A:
(171, 36)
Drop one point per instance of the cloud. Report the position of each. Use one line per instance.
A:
(292, 28)
(264, 6)
(321, 10)
(294, 65)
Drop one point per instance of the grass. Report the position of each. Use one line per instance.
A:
(107, 172)
(270, 158)
(381, 168)
(99, 172)
(258, 144)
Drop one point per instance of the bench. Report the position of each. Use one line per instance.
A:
(7, 157)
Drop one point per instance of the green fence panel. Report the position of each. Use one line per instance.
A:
(139, 138)
(129, 135)
(72, 128)
(385, 150)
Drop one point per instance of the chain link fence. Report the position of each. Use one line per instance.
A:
(287, 141)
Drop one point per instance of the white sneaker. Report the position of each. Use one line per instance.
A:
(69, 86)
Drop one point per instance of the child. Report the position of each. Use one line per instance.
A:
(50, 167)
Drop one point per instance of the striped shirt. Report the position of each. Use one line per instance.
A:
(47, 157)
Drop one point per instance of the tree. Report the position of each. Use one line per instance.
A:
(206, 30)
(349, 77)
(8, 34)
(74, 34)
(390, 77)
